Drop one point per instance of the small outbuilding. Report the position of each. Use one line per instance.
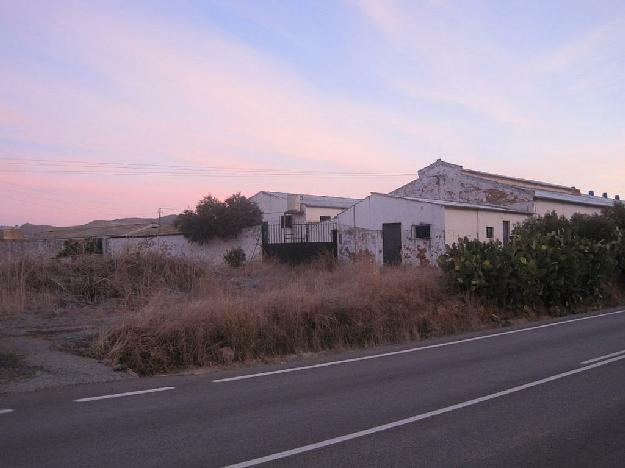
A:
(395, 229)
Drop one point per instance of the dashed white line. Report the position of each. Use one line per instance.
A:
(4, 411)
(605, 356)
(419, 417)
(125, 394)
(412, 350)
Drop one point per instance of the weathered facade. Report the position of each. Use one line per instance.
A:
(394, 229)
(446, 202)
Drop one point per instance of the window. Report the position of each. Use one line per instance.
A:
(324, 218)
(421, 231)
(286, 221)
(490, 232)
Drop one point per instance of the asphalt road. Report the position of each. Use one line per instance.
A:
(546, 394)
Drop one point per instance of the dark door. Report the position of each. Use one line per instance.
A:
(506, 232)
(391, 243)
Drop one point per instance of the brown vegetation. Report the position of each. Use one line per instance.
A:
(276, 310)
(174, 314)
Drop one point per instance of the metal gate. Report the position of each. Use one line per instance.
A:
(299, 242)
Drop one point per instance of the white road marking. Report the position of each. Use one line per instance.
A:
(412, 350)
(605, 356)
(125, 394)
(419, 417)
(4, 411)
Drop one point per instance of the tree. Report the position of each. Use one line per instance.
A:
(213, 218)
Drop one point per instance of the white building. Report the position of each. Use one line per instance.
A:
(288, 209)
(446, 202)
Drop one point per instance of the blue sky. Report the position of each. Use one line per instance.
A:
(533, 89)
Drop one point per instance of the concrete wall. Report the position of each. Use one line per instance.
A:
(212, 252)
(360, 228)
(542, 207)
(43, 248)
(445, 181)
(461, 223)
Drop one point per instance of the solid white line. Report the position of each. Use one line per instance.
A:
(412, 350)
(4, 411)
(605, 356)
(419, 417)
(125, 394)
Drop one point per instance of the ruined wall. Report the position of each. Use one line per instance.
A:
(444, 181)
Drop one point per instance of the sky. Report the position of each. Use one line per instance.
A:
(116, 109)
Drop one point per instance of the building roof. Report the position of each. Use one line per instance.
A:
(520, 182)
(318, 201)
(119, 230)
(589, 200)
(455, 204)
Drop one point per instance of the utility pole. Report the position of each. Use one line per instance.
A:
(159, 216)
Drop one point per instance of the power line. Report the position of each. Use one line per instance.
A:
(81, 167)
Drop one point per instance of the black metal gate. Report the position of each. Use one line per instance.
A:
(299, 242)
(391, 243)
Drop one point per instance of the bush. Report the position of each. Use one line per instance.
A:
(550, 262)
(235, 257)
(213, 218)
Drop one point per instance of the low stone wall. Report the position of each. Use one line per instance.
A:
(42, 248)
(176, 245)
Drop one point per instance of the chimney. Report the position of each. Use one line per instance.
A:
(617, 197)
(591, 193)
(605, 194)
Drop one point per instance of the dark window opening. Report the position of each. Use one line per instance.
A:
(325, 218)
(421, 231)
(506, 233)
(286, 221)
(490, 232)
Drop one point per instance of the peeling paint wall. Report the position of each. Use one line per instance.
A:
(444, 181)
(360, 229)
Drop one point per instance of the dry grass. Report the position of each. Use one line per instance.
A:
(186, 314)
(276, 310)
(35, 284)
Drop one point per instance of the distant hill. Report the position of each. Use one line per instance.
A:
(95, 227)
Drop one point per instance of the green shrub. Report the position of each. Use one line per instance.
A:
(550, 262)
(235, 257)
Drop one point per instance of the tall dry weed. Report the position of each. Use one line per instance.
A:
(275, 310)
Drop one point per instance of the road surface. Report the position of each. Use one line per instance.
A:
(544, 394)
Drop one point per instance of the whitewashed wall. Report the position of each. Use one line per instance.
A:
(176, 245)
(360, 228)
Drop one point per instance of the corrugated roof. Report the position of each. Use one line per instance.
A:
(120, 230)
(574, 199)
(456, 204)
(527, 183)
(320, 201)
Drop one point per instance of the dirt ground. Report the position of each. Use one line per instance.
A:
(43, 350)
